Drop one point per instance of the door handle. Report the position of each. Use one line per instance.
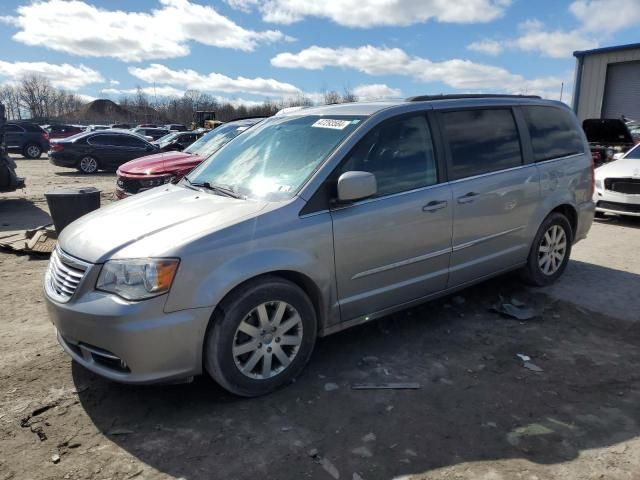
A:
(434, 206)
(468, 198)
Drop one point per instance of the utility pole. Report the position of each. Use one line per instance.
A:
(561, 90)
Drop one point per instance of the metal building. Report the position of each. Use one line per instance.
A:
(607, 82)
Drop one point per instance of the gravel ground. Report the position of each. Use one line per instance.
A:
(571, 412)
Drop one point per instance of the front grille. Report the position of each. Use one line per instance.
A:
(630, 186)
(64, 275)
(619, 207)
(129, 185)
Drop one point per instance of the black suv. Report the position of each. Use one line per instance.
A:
(28, 139)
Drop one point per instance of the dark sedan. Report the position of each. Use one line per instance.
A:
(103, 150)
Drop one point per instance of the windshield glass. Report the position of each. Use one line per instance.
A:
(633, 153)
(167, 139)
(215, 139)
(274, 158)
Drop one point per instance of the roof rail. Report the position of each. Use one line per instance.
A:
(457, 96)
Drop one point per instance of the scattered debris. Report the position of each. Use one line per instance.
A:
(533, 367)
(55, 458)
(285, 429)
(330, 468)
(437, 371)
(459, 300)
(119, 431)
(523, 357)
(363, 452)
(531, 430)
(387, 386)
(389, 408)
(330, 387)
(369, 437)
(38, 240)
(370, 359)
(490, 425)
(411, 453)
(510, 309)
(313, 453)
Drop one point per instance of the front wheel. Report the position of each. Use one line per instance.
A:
(550, 251)
(88, 165)
(261, 337)
(32, 151)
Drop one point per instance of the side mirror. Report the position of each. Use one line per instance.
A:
(356, 186)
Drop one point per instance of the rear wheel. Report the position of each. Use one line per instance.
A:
(550, 251)
(88, 165)
(261, 338)
(32, 151)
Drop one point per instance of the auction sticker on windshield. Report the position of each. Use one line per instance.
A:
(331, 123)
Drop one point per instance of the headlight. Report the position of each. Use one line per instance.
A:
(137, 279)
(155, 182)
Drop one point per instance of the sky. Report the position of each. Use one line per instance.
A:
(251, 50)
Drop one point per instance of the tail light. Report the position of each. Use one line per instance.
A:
(45, 135)
(56, 147)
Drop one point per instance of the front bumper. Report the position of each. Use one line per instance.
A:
(618, 203)
(129, 342)
(61, 161)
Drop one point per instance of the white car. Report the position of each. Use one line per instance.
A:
(618, 185)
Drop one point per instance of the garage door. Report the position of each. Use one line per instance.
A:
(622, 91)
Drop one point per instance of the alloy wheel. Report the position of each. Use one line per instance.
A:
(33, 151)
(267, 340)
(88, 165)
(552, 250)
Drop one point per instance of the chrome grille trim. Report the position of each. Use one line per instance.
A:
(63, 275)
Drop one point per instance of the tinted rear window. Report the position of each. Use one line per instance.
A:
(31, 127)
(481, 141)
(553, 133)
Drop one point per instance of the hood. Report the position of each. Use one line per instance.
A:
(625, 167)
(158, 222)
(154, 164)
(606, 130)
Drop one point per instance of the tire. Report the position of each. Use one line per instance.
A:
(538, 271)
(236, 327)
(32, 151)
(88, 165)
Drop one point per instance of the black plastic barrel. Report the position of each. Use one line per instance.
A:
(69, 204)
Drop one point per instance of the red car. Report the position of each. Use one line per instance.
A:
(154, 170)
(62, 131)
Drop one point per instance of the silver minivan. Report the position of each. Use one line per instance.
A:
(314, 221)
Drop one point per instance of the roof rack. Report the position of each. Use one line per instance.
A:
(457, 96)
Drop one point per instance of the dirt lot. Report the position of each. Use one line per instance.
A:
(479, 414)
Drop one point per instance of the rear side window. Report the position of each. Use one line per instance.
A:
(10, 127)
(481, 141)
(30, 127)
(131, 141)
(553, 133)
(113, 140)
(399, 153)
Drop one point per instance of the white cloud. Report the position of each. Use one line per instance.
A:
(85, 98)
(65, 76)
(606, 15)
(376, 91)
(554, 44)
(489, 47)
(598, 19)
(79, 28)
(369, 13)
(456, 73)
(114, 82)
(212, 82)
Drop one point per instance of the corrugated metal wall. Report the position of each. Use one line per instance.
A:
(594, 76)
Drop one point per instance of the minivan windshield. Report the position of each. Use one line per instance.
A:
(273, 159)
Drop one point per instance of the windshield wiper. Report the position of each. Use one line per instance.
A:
(220, 189)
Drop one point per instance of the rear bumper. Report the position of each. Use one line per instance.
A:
(586, 212)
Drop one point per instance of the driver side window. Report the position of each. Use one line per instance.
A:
(399, 152)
